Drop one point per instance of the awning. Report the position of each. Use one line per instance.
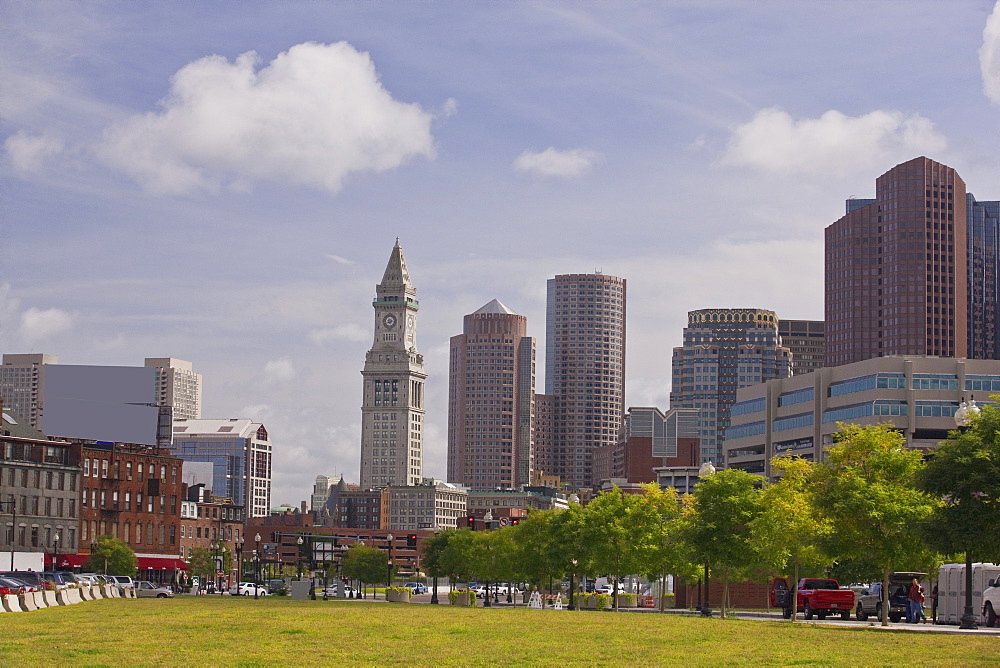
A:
(67, 561)
(161, 564)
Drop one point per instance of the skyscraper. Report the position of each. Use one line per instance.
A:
(240, 453)
(491, 396)
(177, 386)
(806, 339)
(584, 370)
(392, 410)
(22, 385)
(724, 350)
(984, 286)
(897, 268)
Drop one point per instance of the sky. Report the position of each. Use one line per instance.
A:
(224, 182)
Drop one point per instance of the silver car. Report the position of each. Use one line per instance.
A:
(145, 589)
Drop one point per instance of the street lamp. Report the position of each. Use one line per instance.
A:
(963, 418)
(298, 560)
(388, 568)
(706, 470)
(239, 561)
(358, 593)
(256, 570)
(55, 546)
(572, 605)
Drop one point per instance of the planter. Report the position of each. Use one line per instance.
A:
(397, 596)
(626, 600)
(590, 602)
(462, 598)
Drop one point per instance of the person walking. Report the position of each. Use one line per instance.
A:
(914, 604)
(934, 603)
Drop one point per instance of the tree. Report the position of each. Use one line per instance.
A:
(790, 529)
(112, 557)
(964, 471)
(716, 524)
(669, 555)
(365, 563)
(543, 549)
(201, 564)
(458, 558)
(866, 487)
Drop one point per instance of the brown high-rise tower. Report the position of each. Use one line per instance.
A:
(896, 268)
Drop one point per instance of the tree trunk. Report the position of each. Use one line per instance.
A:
(725, 592)
(886, 596)
(795, 591)
(614, 594)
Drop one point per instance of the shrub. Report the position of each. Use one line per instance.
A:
(603, 601)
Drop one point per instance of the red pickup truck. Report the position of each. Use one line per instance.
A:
(816, 596)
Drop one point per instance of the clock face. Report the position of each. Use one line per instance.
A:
(389, 321)
(409, 329)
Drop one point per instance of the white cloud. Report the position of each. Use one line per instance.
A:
(28, 152)
(347, 332)
(339, 260)
(312, 116)
(552, 162)
(39, 324)
(834, 142)
(450, 107)
(279, 370)
(989, 56)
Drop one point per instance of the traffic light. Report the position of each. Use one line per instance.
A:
(470, 522)
(411, 540)
(515, 520)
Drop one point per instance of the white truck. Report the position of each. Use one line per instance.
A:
(991, 602)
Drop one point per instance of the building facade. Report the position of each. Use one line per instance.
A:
(584, 370)
(806, 340)
(984, 287)
(430, 506)
(39, 491)
(799, 415)
(897, 270)
(240, 453)
(22, 385)
(491, 399)
(355, 508)
(392, 409)
(177, 386)
(649, 439)
(724, 350)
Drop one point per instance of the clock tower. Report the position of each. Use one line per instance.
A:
(392, 410)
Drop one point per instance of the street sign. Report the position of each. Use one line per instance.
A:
(504, 521)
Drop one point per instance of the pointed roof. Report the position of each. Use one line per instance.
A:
(496, 306)
(395, 271)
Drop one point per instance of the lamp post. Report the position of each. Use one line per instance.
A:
(256, 570)
(358, 593)
(572, 575)
(55, 546)
(963, 418)
(706, 470)
(388, 568)
(239, 562)
(298, 560)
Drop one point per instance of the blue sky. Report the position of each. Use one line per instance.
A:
(223, 182)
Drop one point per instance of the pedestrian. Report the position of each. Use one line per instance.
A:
(914, 603)
(934, 602)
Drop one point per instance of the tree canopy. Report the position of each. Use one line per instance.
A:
(112, 556)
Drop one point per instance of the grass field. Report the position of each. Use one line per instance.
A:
(277, 631)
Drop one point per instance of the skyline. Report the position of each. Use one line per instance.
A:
(168, 196)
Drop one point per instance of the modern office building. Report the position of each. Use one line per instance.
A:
(491, 398)
(724, 349)
(392, 410)
(240, 453)
(799, 415)
(431, 505)
(806, 340)
(177, 386)
(584, 370)
(649, 438)
(914, 270)
(22, 385)
(321, 491)
(39, 492)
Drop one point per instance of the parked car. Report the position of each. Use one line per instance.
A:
(146, 589)
(14, 586)
(991, 602)
(123, 581)
(503, 590)
(33, 578)
(606, 589)
(816, 596)
(59, 580)
(870, 603)
(331, 591)
(480, 591)
(248, 589)
(95, 578)
(417, 587)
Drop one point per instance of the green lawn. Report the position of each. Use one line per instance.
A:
(277, 631)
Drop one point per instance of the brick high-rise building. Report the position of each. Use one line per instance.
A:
(806, 339)
(897, 280)
(584, 370)
(491, 401)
